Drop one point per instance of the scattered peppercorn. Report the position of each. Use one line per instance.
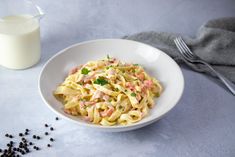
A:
(6, 135)
(48, 145)
(46, 125)
(57, 118)
(30, 143)
(26, 133)
(34, 136)
(46, 133)
(27, 130)
(10, 136)
(38, 137)
(51, 128)
(20, 134)
(0, 150)
(51, 139)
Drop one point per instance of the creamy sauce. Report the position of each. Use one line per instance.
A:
(19, 41)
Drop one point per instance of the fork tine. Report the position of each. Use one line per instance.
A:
(186, 47)
(185, 50)
(181, 49)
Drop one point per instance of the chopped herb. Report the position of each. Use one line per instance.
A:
(136, 64)
(110, 100)
(157, 94)
(133, 94)
(108, 57)
(116, 89)
(85, 71)
(101, 81)
(107, 68)
(125, 90)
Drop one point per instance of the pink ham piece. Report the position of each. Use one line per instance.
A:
(130, 86)
(86, 118)
(107, 112)
(148, 83)
(89, 103)
(97, 94)
(106, 98)
(140, 76)
(75, 69)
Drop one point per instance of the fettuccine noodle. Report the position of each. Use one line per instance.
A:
(108, 92)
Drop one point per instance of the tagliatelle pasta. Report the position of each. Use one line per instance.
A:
(108, 92)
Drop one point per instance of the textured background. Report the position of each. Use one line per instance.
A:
(202, 124)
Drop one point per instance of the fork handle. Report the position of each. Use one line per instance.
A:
(226, 82)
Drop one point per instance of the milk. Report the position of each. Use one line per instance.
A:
(19, 41)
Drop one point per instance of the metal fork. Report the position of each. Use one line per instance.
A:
(188, 55)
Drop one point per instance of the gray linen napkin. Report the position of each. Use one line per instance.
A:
(214, 43)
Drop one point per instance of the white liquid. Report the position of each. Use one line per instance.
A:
(19, 41)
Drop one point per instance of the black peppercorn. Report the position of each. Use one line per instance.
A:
(51, 139)
(51, 128)
(10, 136)
(30, 143)
(48, 145)
(38, 137)
(46, 125)
(57, 118)
(46, 133)
(20, 134)
(7, 135)
(34, 136)
(27, 130)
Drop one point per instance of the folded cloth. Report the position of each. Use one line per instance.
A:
(214, 43)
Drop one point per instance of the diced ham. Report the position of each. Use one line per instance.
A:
(138, 97)
(67, 111)
(148, 83)
(73, 70)
(89, 103)
(130, 86)
(107, 112)
(111, 72)
(106, 98)
(97, 94)
(140, 76)
(82, 104)
(88, 78)
(86, 118)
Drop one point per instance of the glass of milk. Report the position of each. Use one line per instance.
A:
(19, 34)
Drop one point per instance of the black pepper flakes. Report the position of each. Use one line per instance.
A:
(51, 139)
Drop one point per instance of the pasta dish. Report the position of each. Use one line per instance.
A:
(108, 92)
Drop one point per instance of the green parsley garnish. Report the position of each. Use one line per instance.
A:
(133, 94)
(116, 89)
(100, 81)
(85, 71)
(108, 57)
(136, 64)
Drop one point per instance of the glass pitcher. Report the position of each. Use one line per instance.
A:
(19, 33)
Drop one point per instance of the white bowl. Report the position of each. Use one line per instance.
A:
(156, 63)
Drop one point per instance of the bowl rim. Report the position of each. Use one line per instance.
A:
(115, 127)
